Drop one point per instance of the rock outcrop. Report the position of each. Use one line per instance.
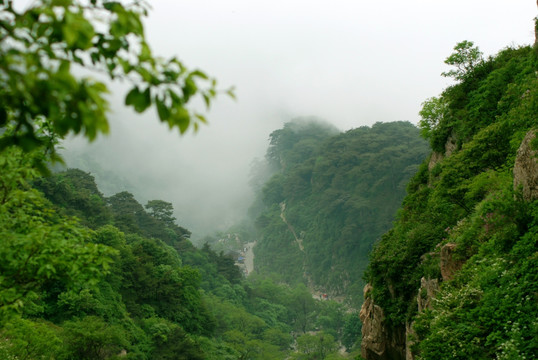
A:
(410, 340)
(526, 168)
(437, 157)
(427, 291)
(381, 342)
(378, 341)
(449, 265)
(450, 145)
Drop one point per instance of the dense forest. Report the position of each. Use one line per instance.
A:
(457, 275)
(330, 197)
(123, 280)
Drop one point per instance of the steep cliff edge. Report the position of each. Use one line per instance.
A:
(457, 275)
(379, 342)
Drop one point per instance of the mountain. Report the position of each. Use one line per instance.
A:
(330, 197)
(457, 275)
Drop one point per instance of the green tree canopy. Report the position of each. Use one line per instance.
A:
(161, 210)
(465, 58)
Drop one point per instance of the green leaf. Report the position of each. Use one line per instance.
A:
(171, 76)
(162, 109)
(65, 67)
(231, 93)
(62, 3)
(207, 100)
(131, 97)
(145, 52)
(189, 88)
(176, 99)
(145, 74)
(181, 118)
(198, 73)
(113, 6)
(6, 142)
(144, 101)
(92, 34)
(134, 24)
(28, 142)
(117, 28)
(139, 100)
(77, 31)
(127, 67)
(201, 118)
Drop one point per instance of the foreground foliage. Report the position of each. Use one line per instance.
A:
(45, 45)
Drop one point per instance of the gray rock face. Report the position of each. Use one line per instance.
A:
(378, 341)
(526, 168)
(449, 265)
(427, 291)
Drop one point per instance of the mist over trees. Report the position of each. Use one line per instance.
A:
(88, 274)
(332, 195)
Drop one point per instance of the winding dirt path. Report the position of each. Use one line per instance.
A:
(283, 217)
(249, 257)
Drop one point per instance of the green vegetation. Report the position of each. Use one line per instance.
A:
(332, 195)
(81, 288)
(84, 276)
(467, 198)
(88, 276)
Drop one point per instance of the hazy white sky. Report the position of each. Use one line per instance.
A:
(351, 62)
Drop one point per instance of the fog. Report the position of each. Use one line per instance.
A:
(352, 63)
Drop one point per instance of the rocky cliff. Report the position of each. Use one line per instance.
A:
(456, 276)
(383, 341)
(379, 341)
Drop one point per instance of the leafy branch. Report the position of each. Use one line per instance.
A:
(42, 46)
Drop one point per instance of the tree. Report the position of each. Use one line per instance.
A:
(303, 306)
(314, 347)
(433, 111)
(26, 339)
(161, 210)
(92, 338)
(41, 47)
(126, 210)
(39, 246)
(465, 58)
(351, 332)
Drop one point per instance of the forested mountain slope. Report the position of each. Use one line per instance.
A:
(457, 275)
(330, 198)
(122, 280)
